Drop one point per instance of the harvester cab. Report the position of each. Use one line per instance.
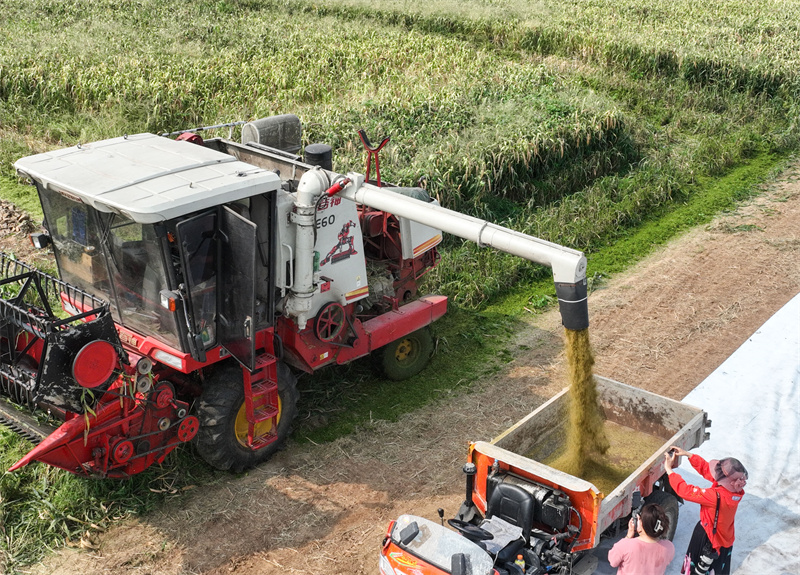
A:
(135, 221)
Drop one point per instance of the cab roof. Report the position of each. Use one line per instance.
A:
(147, 178)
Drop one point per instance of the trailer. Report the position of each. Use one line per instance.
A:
(515, 504)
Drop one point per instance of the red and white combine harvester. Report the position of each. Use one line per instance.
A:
(195, 276)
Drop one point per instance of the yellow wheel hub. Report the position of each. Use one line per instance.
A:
(240, 425)
(405, 349)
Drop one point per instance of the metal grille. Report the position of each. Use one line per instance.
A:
(26, 309)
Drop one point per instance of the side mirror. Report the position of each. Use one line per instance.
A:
(40, 240)
(409, 532)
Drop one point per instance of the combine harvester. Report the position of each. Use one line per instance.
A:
(195, 276)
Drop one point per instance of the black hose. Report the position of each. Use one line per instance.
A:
(580, 528)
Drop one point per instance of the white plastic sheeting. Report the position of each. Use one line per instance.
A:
(753, 400)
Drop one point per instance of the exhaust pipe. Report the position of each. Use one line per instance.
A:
(298, 303)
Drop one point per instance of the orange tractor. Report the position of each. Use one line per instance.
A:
(521, 516)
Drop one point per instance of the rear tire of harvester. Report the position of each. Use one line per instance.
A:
(669, 503)
(407, 356)
(222, 438)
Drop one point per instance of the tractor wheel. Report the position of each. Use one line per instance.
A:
(669, 503)
(407, 356)
(222, 439)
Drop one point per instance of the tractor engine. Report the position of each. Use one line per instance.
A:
(381, 288)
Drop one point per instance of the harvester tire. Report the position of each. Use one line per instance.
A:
(669, 503)
(221, 402)
(407, 356)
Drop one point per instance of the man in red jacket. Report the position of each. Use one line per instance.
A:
(712, 539)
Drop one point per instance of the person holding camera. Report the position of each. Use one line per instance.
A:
(648, 553)
(711, 545)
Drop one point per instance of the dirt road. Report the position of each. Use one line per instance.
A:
(663, 326)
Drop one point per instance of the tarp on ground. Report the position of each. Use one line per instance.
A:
(753, 400)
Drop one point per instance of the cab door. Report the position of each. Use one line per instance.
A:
(236, 293)
(197, 238)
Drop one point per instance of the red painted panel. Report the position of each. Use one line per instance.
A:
(408, 318)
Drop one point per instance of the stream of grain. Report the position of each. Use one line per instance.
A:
(585, 434)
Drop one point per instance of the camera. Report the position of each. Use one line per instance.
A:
(706, 559)
(636, 508)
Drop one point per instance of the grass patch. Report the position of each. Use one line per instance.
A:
(41, 507)
(749, 46)
(712, 197)
(336, 401)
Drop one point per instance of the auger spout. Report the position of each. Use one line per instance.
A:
(568, 265)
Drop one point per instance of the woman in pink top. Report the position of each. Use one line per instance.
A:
(646, 554)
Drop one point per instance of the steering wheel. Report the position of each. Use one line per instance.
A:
(470, 531)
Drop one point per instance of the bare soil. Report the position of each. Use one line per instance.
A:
(663, 326)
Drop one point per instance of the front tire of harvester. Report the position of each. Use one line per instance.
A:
(408, 355)
(669, 503)
(220, 441)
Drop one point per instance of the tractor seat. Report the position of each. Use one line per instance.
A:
(509, 517)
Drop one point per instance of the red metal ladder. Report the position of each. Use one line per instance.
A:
(261, 400)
